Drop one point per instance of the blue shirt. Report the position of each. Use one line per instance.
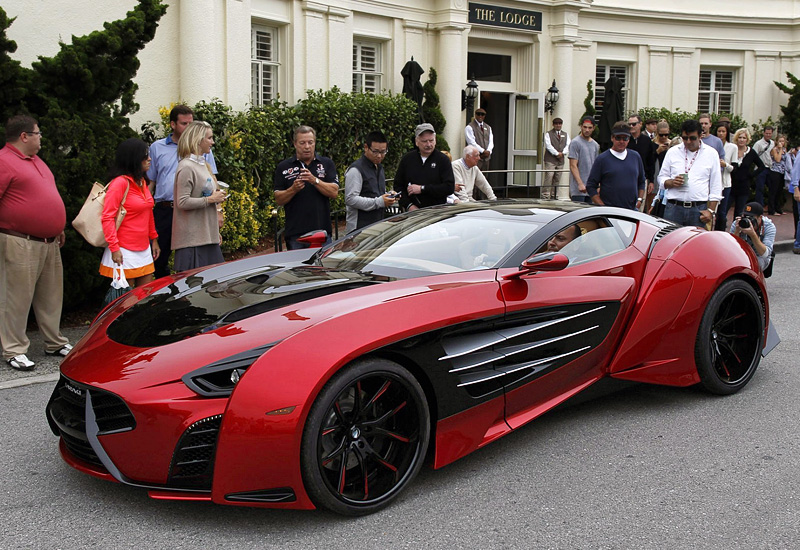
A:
(163, 165)
(619, 180)
(715, 143)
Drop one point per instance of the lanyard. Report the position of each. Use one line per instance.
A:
(686, 164)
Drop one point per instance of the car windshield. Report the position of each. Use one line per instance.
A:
(445, 240)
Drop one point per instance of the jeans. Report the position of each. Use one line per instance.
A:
(163, 220)
(761, 180)
(685, 216)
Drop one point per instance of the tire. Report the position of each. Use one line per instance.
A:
(730, 338)
(365, 438)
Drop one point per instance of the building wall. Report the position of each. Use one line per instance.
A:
(202, 48)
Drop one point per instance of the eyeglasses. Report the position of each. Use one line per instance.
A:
(39, 133)
(379, 153)
(633, 124)
(663, 135)
(620, 138)
(690, 138)
(480, 114)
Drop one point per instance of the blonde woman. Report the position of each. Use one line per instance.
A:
(746, 164)
(195, 227)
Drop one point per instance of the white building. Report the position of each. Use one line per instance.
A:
(715, 55)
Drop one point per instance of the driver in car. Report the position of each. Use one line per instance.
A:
(560, 240)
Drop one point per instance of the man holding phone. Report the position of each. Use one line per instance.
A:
(304, 185)
(365, 195)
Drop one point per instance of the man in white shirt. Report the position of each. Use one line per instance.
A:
(479, 135)
(556, 145)
(468, 176)
(763, 147)
(691, 176)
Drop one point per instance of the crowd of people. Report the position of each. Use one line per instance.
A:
(173, 200)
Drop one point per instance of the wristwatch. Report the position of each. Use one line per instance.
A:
(316, 181)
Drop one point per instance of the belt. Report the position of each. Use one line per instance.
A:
(686, 204)
(28, 237)
(164, 204)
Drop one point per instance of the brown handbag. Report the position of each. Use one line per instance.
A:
(89, 223)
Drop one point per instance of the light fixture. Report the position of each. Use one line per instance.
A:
(468, 97)
(551, 98)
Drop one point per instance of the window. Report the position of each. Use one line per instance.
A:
(366, 67)
(264, 65)
(489, 67)
(715, 91)
(602, 74)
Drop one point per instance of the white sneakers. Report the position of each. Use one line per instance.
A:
(21, 362)
(63, 351)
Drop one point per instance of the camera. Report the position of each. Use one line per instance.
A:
(747, 221)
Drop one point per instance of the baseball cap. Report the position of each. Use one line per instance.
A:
(621, 129)
(586, 118)
(425, 127)
(755, 208)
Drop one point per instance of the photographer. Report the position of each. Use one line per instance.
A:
(758, 232)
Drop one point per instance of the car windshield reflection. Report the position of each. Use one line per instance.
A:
(451, 241)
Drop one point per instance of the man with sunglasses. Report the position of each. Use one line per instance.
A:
(365, 195)
(691, 176)
(618, 173)
(479, 135)
(642, 144)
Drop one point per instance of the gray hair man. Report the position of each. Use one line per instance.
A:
(468, 176)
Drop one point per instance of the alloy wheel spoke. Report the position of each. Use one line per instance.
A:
(385, 416)
(393, 435)
(380, 392)
(340, 449)
(343, 470)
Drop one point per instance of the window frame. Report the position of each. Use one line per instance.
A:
(362, 75)
(258, 65)
(714, 94)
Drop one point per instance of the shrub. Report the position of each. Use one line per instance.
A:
(676, 118)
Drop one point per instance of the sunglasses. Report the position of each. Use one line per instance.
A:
(480, 114)
(690, 138)
(663, 135)
(633, 124)
(621, 138)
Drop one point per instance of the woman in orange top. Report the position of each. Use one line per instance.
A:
(133, 245)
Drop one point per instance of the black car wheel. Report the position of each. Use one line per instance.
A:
(365, 438)
(730, 338)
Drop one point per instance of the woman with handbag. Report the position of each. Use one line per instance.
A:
(133, 245)
(195, 222)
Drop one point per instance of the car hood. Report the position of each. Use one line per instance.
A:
(209, 299)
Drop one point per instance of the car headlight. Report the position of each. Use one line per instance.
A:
(220, 377)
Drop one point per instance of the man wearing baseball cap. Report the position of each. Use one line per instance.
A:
(583, 151)
(759, 232)
(424, 176)
(618, 172)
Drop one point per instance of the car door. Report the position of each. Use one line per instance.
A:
(561, 327)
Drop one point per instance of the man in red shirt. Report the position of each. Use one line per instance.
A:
(32, 220)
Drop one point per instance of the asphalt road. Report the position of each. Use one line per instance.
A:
(627, 466)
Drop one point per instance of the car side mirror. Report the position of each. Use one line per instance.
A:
(546, 261)
(314, 239)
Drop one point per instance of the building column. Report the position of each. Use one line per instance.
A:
(313, 73)
(340, 48)
(659, 86)
(764, 89)
(563, 75)
(684, 84)
(196, 45)
(451, 68)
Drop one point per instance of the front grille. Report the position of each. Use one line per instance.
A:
(66, 413)
(193, 460)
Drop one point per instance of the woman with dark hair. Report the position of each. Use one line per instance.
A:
(133, 245)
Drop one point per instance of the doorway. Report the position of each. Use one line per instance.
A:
(496, 106)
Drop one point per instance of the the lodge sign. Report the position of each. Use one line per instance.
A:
(496, 16)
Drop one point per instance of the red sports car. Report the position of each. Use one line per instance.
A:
(295, 380)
